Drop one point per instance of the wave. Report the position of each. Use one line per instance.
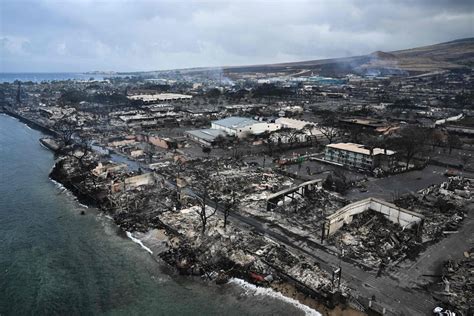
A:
(63, 189)
(252, 289)
(66, 191)
(107, 216)
(138, 241)
(59, 185)
(44, 146)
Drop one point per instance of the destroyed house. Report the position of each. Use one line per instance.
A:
(362, 123)
(359, 157)
(103, 171)
(137, 118)
(133, 182)
(166, 142)
(166, 107)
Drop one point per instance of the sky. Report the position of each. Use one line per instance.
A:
(141, 35)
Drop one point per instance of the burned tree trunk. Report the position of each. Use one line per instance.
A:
(202, 212)
(228, 208)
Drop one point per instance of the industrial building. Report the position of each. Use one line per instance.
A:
(243, 126)
(205, 137)
(151, 98)
(309, 128)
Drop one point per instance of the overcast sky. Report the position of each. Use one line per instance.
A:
(121, 35)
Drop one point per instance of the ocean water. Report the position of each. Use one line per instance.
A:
(54, 261)
(46, 76)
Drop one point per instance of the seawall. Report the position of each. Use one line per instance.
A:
(29, 122)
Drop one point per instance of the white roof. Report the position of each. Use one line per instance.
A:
(361, 149)
(207, 134)
(293, 123)
(159, 97)
(235, 122)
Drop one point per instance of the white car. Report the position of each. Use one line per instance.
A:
(439, 311)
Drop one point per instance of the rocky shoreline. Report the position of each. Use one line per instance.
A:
(175, 247)
(171, 238)
(28, 122)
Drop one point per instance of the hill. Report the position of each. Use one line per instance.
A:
(456, 54)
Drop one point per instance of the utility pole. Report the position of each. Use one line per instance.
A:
(336, 277)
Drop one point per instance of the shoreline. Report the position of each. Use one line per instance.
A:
(147, 242)
(284, 288)
(152, 245)
(28, 122)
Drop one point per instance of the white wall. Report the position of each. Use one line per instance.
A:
(143, 179)
(229, 131)
(258, 128)
(395, 214)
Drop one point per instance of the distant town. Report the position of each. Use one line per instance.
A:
(340, 183)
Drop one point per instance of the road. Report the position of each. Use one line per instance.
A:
(450, 248)
(398, 294)
(398, 300)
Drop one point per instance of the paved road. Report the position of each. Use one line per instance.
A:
(388, 292)
(399, 295)
(397, 299)
(452, 247)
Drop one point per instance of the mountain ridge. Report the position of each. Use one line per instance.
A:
(451, 55)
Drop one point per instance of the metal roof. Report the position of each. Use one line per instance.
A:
(208, 135)
(234, 122)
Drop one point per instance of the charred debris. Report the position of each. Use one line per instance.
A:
(331, 184)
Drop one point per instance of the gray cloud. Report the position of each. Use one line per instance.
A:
(65, 35)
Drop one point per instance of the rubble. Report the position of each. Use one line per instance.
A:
(219, 253)
(135, 209)
(456, 287)
(236, 253)
(376, 241)
(442, 205)
(167, 176)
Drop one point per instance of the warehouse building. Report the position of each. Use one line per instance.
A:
(205, 137)
(243, 126)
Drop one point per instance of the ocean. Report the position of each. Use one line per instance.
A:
(47, 76)
(54, 261)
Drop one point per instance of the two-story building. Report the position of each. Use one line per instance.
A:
(359, 156)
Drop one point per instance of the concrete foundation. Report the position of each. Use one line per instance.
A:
(395, 214)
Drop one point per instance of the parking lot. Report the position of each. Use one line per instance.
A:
(391, 187)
